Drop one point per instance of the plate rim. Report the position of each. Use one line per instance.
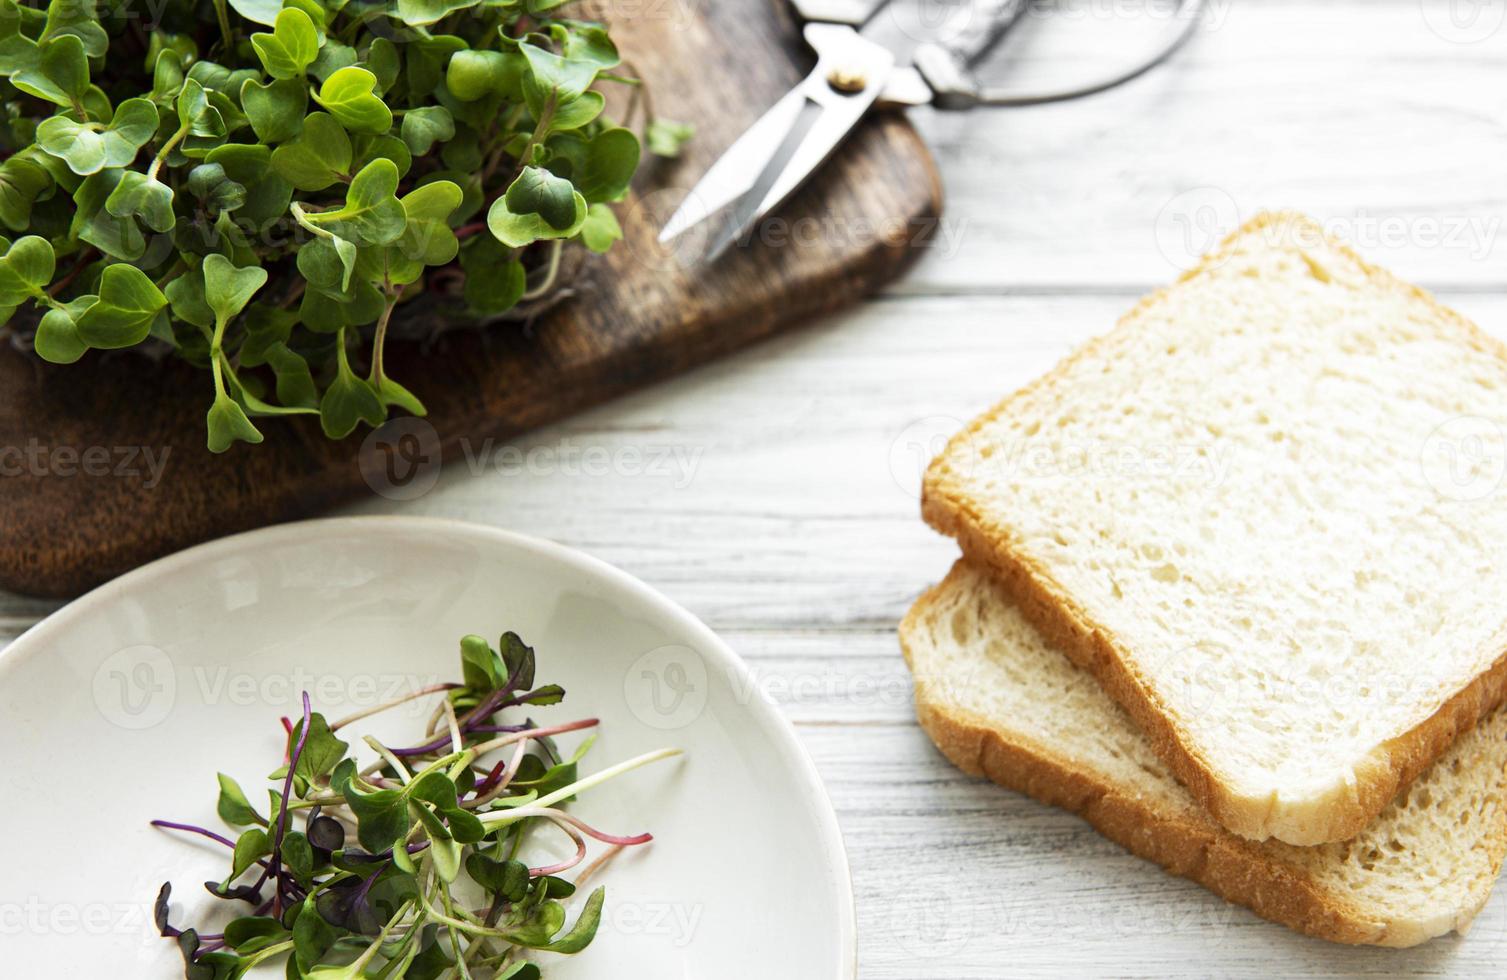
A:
(712, 645)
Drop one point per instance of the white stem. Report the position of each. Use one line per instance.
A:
(498, 818)
(392, 760)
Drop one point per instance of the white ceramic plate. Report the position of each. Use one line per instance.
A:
(122, 706)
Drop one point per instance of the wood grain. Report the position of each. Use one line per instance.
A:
(643, 313)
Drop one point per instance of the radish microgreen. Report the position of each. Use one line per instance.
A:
(433, 155)
(409, 865)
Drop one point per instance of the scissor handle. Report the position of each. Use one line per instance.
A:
(954, 85)
(988, 22)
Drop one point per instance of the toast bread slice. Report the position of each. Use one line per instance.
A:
(1000, 702)
(1267, 512)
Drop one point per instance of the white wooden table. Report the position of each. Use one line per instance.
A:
(773, 493)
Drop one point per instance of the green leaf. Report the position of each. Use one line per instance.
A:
(537, 191)
(319, 157)
(213, 187)
(244, 163)
(423, 127)
(312, 936)
(275, 110)
(291, 47)
(250, 933)
(123, 314)
(298, 855)
(347, 402)
(250, 847)
(349, 95)
(228, 289)
(427, 236)
(474, 75)
(25, 269)
(422, 13)
(142, 196)
(87, 148)
(117, 237)
(552, 77)
(185, 294)
(333, 56)
(322, 751)
(23, 181)
(518, 230)
(482, 669)
(394, 395)
(508, 879)
(56, 70)
(196, 114)
(258, 11)
(233, 806)
(494, 282)
(585, 929)
(295, 382)
(385, 147)
(372, 214)
(611, 158)
(227, 423)
(57, 338)
(79, 18)
(381, 816)
(587, 42)
(577, 112)
(382, 60)
(601, 228)
(667, 138)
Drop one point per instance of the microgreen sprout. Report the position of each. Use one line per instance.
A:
(263, 187)
(410, 866)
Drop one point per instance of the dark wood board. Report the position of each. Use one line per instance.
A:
(79, 503)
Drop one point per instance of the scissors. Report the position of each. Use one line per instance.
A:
(871, 54)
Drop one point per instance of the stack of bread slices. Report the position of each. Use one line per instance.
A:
(1234, 589)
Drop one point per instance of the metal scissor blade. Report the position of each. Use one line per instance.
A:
(738, 167)
(763, 154)
(748, 207)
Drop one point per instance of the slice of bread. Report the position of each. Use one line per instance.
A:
(1265, 511)
(998, 701)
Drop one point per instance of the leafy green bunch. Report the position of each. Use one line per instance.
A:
(411, 866)
(259, 184)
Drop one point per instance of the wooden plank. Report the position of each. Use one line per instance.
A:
(958, 878)
(1375, 117)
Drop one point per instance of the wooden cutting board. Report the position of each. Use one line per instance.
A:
(103, 465)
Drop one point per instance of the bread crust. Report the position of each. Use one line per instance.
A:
(1350, 804)
(1235, 868)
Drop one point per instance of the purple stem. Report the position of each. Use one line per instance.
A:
(483, 711)
(190, 828)
(282, 817)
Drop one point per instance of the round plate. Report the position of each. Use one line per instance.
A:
(122, 706)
